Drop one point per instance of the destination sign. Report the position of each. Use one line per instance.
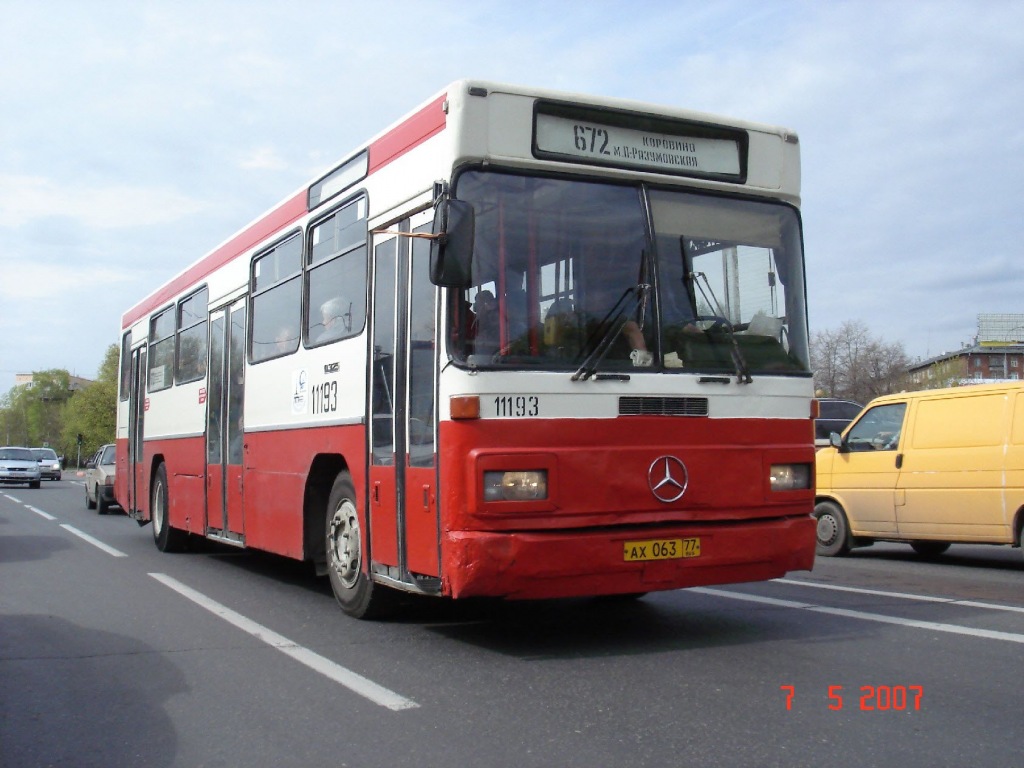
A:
(586, 140)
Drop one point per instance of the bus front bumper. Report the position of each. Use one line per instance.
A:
(535, 565)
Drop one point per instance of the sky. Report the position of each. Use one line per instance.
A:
(137, 136)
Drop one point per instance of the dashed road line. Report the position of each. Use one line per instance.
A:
(94, 541)
(355, 682)
(41, 513)
(902, 595)
(935, 626)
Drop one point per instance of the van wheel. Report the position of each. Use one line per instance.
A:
(929, 548)
(353, 588)
(832, 531)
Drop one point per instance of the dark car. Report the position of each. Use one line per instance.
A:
(49, 462)
(833, 416)
(99, 480)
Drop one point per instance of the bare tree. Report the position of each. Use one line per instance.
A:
(849, 362)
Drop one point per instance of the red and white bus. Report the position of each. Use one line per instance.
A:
(522, 343)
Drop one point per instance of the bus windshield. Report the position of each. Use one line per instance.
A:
(569, 275)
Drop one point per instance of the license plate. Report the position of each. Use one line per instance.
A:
(660, 549)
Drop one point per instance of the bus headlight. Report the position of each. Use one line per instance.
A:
(790, 477)
(521, 485)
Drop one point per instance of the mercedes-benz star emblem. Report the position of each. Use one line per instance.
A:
(667, 479)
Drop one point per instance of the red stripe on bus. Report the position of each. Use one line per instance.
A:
(285, 214)
(428, 122)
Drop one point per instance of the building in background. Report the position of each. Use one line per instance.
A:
(75, 383)
(996, 355)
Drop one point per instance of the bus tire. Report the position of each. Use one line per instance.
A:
(167, 539)
(833, 532)
(929, 548)
(353, 588)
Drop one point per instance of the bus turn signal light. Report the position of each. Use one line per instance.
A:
(465, 406)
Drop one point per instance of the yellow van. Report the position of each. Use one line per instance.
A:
(929, 468)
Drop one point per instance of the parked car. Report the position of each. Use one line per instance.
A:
(18, 465)
(99, 480)
(833, 416)
(49, 463)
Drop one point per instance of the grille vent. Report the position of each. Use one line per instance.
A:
(663, 406)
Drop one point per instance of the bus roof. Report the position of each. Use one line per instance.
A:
(414, 128)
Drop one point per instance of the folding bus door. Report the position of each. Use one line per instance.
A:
(136, 433)
(403, 513)
(224, 435)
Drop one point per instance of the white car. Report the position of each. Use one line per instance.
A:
(18, 465)
(99, 480)
(49, 464)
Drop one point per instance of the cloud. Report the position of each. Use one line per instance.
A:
(263, 159)
(114, 206)
(26, 284)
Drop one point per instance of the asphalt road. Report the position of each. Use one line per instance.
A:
(113, 654)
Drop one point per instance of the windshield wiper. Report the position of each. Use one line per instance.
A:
(738, 361)
(610, 327)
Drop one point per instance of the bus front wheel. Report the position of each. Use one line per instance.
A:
(353, 588)
(832, 531)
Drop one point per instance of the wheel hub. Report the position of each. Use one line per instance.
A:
(343, 544)
(827, 529)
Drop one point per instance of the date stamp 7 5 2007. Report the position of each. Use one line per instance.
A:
(881, 698)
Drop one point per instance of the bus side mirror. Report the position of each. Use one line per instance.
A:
(451, 250)
(835, 440)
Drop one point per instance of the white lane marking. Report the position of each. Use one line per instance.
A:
(45, 515)
(355, 682)
(955, 629)
(95, 542)
(903, 595)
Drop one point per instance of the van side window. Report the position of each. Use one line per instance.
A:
(878, 429)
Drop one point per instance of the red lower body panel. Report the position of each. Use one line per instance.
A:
(575, 563)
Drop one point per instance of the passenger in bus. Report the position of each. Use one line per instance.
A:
(284, 341)
(485, 329)
(333, 320)
(562, 328)
(516, 313)
(604, 298)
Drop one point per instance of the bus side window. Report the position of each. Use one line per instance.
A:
(336, 275)
(277, 297)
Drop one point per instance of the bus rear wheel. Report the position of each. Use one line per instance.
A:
(832, 530)
(353, 588)
(167, 539)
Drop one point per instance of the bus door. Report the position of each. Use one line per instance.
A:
(225, 395)
(403, 514)
(136, 432)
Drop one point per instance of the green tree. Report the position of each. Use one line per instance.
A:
(944, 373)
(92, 412)
(33, 413)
